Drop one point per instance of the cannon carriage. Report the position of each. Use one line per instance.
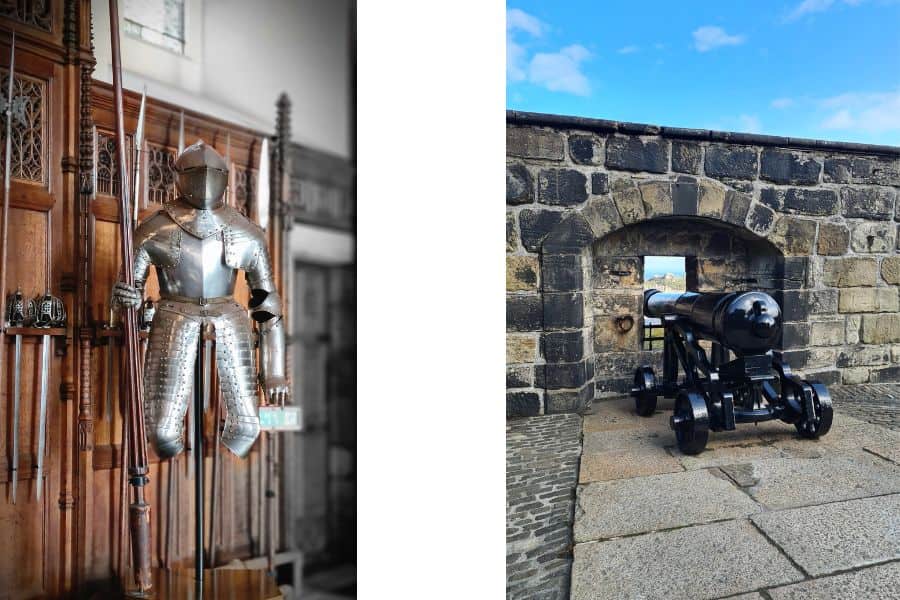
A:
(743, 380)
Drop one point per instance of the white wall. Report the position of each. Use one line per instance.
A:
(250, 53)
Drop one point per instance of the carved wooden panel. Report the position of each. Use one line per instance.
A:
(36, 13)
(160, 169)
(28, 157)
(245, 181)
(106, 164)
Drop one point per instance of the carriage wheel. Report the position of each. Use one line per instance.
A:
(817, 425)
(644, 391)
(691, 422)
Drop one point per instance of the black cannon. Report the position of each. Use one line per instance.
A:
(717, 392)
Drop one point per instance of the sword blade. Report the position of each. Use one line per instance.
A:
(45, 382)
(17, 394)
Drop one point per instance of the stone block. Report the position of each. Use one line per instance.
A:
(853, 324)
(602, 215)
(512, 233)
(854, 375)
(563, 311)
(827, 333)
(535, 225)
(633, 154)
(811, 202)
(685, 196)
(794, 236)
(687, 563)
(862, 300)
(851, 271)
(798, 305)
(737, 205)
(522, 404)
(837, 170)
(617, 302)
(711, 199)
(890, 269)
(837, 537)
(885, 375)
(628, 200)
(520, 348)
(523, 313)
(868, 202)
(569, 401)
(562, 346)
(519, 185)
(772, 197)
(878, 171)
(616, 273)
(572, 235)
(833, 239)
(599, 183)
(562, 187)
(797, 359)
(872, 237)
(616, 333)
(561, 272)
(522, 273)
(880, 582)
(607, 509)
(827, 377)
(790, 482)
(880, 328)
(558, 376)
(686, 157)
(519, 376)
(795, 335)
(760, 219)
(531, 142)
(863, 356)
(585, 149)
(738, 162)
(657, 198)
(786, 167)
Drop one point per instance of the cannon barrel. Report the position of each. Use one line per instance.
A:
(744, 322)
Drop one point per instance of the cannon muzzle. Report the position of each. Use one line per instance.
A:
(744, 322)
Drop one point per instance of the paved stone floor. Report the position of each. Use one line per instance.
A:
(760, 514)
(542, 456)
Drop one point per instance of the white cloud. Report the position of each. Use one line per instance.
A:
(781, 103)
(875, 112)
(561, 71)
(515, 61)
(520, 20)
(750, 123)
(628, 49)
(659, 46)
(808, 7)
(709, 37)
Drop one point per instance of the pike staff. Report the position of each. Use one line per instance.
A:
(5, 235)
(139, 510)
(5, 232)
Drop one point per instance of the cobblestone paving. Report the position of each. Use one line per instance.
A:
(542, 455)
(874, 403)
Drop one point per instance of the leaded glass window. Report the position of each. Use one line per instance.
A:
(159, 22)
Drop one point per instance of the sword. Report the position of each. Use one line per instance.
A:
(19, 314)
(45, 382)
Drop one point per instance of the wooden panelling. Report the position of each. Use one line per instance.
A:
(72, 536)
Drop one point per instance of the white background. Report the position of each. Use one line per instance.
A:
(431, 138)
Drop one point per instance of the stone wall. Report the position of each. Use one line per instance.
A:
(812, 222)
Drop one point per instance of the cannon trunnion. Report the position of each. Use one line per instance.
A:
(717, 392)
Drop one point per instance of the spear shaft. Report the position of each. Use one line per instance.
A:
(5, 232)
(139, 510)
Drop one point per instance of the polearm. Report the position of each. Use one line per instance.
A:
(7, 171)
(139, 510)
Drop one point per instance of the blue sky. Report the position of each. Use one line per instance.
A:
(826, 69)
(660, 265)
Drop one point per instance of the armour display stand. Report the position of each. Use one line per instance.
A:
(200, 370)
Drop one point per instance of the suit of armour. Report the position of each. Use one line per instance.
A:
(198, 244)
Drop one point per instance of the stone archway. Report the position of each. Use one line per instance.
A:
(584, 296)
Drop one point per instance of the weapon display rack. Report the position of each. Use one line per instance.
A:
(63, 166)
